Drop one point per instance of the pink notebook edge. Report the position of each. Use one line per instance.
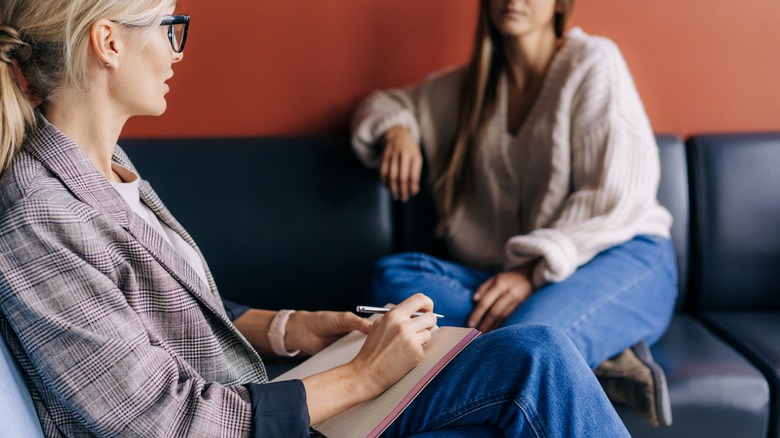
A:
(423, 382)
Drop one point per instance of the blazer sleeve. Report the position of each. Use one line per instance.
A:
(90, 351)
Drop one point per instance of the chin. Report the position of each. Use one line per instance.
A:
(159, 110)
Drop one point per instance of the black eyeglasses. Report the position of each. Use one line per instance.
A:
(177, 30)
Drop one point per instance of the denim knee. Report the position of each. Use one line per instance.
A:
(531, 343)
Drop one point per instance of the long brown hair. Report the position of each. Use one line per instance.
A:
(477, 103)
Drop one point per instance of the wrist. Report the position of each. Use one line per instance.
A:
(365, 384)
(277, 331)
(394, 131)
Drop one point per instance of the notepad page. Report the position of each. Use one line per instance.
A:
(372, 417)
(336, 354)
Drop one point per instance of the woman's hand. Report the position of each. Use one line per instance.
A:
(310, 332)
(498, 297)
(395, 344)
(401, 163)
(393, 347)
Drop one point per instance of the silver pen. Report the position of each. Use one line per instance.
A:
(382, 310)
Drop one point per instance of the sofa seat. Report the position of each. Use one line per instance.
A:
(755, 335)
(714, 391)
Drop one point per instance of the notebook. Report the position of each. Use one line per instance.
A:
(371, 418)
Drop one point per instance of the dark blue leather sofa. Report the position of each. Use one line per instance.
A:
(297, 223)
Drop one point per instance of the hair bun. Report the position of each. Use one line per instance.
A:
(12, 46)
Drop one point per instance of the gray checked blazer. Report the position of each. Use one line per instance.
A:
(116, 333)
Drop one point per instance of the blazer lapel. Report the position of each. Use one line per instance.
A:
(58, 153)
(166, 255)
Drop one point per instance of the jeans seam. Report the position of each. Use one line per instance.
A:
(532, 417)
(526, 408)
(471, 408)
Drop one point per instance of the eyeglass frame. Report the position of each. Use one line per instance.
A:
(170, 21)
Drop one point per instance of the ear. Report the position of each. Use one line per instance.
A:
(104, 42)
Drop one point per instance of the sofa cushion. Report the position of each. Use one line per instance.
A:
(757, 336)
(735, 193)
(714, 391)
(736, 245)
(282, 222)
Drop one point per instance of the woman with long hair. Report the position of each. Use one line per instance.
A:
(544, 169)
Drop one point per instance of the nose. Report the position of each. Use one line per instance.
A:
(177, 57)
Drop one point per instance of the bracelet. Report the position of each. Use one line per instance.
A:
(276, 333)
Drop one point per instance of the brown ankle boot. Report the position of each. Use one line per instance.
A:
(633, 379)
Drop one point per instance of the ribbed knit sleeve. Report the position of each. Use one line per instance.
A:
(427, 109)
(614, 175)
(379, 112)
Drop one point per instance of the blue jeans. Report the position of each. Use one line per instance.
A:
(526, 380)
(624, 295)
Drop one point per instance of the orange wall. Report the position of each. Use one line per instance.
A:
(298, 67)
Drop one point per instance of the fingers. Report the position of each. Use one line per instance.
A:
(384, 170)
(395, 165)
(417, 302)
(414, 174)
(350, 322)
(402, 314)
(482, 305)
(410, 168)
(486, 286)
(497, 314)
(423, 336)
(401, 164)
(404, 170)
(498, 299)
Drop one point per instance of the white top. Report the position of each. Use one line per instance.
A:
(580, 176)
(128, 190)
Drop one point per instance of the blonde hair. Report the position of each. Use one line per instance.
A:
(43, 47)
(477, 102)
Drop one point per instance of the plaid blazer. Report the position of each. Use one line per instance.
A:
(116, 333)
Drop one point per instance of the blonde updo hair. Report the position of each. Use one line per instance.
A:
(43, 48)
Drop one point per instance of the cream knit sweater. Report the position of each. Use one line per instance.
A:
(579, 177)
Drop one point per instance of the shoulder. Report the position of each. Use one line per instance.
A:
(592, 62)
(24, 178)
(447, 81)
(587, 50)
(31, 197)
(594, 74)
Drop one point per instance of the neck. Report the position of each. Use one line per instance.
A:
(87, 121)
(528, 56)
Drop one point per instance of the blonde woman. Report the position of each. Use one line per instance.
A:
(544, 169)
(111, 310)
